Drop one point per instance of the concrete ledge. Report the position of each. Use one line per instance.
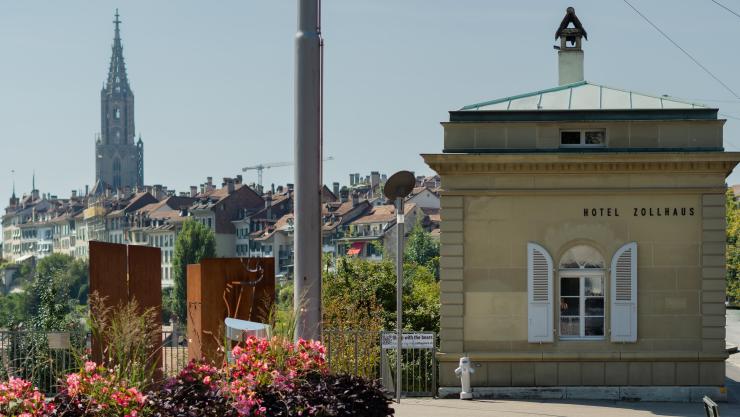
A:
(657, 356)
(662, 356)
(613, 393)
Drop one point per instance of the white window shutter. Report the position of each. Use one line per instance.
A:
(624, 294)
(539, 294)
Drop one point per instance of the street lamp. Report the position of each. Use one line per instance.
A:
(398, 186)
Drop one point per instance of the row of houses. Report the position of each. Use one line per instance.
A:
(356, 221)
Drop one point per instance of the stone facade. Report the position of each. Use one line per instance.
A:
(530, 184)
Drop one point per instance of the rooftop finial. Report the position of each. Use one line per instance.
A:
(12, 173)
(117, 22)
(33, 181)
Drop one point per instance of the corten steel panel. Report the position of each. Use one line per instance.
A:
(108, 272)
(145, 286)
(194, 311)
(222, 288)
(108, 277)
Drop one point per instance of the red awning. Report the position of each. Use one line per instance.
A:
(355, 249)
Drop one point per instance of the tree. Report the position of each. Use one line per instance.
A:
(52, 293)
(55, 291)
(194, 242)
(732, 252)
(364, 285)
(421, 248)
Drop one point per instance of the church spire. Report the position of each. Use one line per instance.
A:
(117, 80)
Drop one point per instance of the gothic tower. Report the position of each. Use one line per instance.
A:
(119, 161)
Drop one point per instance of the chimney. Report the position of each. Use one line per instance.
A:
(74, 193)
(193, 191)
(268, 205)
(344, 195)
(355, 199)
(280, 189)
(229, 182)
(290, 188)
(272, 188)
(335, 189)
(157, 189)
(239, 179)
(570, 53)
(87, 190)
(268, 199)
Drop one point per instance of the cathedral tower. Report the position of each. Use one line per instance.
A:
(119, 159)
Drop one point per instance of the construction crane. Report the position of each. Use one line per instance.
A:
(261, 167)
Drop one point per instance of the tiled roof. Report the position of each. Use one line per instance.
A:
(382, 214)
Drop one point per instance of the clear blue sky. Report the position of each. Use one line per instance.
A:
(213, 80)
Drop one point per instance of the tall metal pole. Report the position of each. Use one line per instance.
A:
(399, 292)
(307, 237)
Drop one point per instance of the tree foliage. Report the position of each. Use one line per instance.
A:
(363, 285)
(422, 249)
(50, 296)
(194, 242)
(733, 246)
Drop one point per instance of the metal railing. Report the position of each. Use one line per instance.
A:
(174, 352)
(355, 352)
(418, 363)
(40, 357)
(361, 352)
(43, 358)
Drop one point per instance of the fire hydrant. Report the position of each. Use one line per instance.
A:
(463, 372)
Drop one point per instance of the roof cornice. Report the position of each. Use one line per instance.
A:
(533, 163)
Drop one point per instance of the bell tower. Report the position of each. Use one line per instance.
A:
(118, 159)
(570, 53)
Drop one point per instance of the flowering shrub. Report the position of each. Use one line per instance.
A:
(267, 377)
(269, 362)
(97, 391)
(194, 392)
(19, 398)
(327, 395)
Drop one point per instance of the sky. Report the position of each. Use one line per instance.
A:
(213, 81)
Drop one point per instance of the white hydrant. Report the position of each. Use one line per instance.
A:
(463, 372)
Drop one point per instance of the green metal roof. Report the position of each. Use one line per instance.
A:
(583, 95)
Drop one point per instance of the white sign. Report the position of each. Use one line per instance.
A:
(409, 340)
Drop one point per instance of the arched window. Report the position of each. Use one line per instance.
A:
(581, 293)
(582, 257)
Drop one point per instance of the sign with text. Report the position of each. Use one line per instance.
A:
(409, 340)
(639, 212)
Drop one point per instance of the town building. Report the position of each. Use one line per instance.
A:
(218, 208)
(583, 241)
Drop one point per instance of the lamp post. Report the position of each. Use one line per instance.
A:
(398, 186)
(308, 132)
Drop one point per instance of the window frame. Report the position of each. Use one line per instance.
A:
(581, 274)
(583, 143)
